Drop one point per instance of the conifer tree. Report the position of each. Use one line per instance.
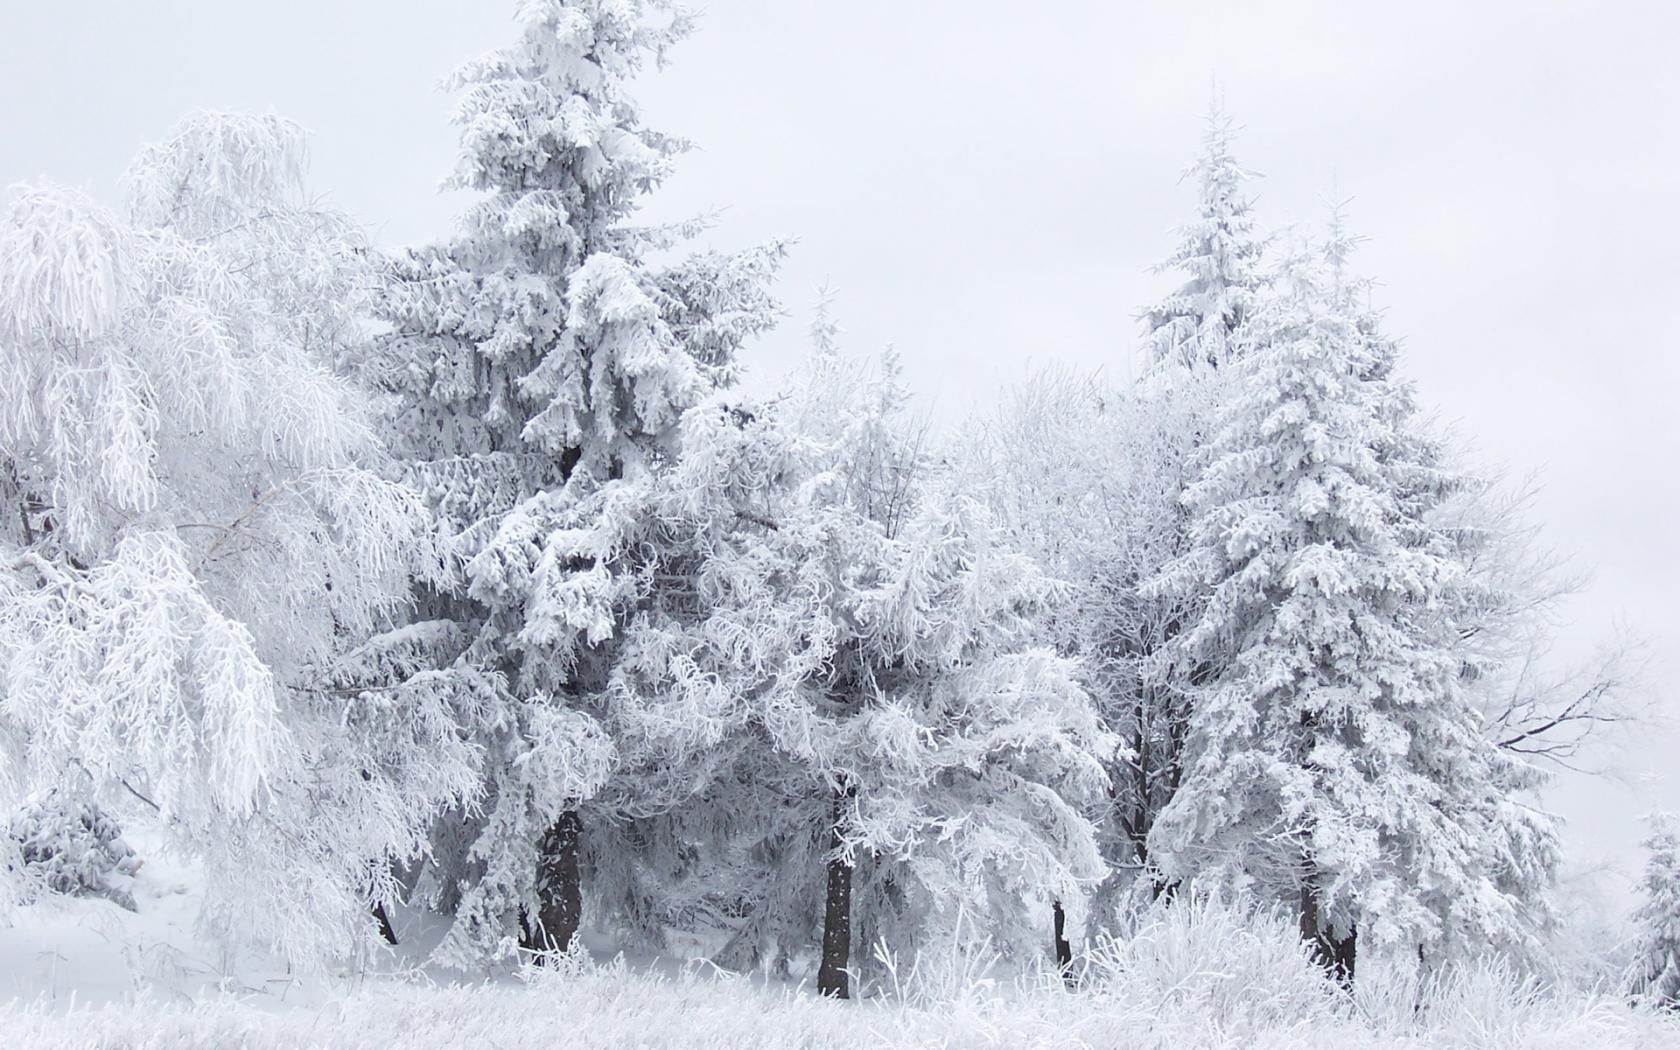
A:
(540, 355)
(1136, 451)
(1656, 968)
(1335, 760)
(1219, 253)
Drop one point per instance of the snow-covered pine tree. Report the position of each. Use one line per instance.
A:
(906, 755)
(1220, 255)
(542, 354)
(1334, 759)
(1656, 967)
(199, 535)
(1114, 521)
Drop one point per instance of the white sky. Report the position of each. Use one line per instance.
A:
(986, 183)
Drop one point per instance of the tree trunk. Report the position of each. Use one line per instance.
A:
(832, 978)
(1347, 953)
(1064, 950)
(559, 893)
(1161, 888)
(384, 921)
(1335, 954)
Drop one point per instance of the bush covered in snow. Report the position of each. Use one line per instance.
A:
(71, 846)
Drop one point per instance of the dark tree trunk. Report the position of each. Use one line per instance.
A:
(1335, 954)
(832, 978)
(384, 921)
(559, 893)
(1064, 950)
(1346, 954)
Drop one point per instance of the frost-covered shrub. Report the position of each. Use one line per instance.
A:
(1221, 957)
(73, 847)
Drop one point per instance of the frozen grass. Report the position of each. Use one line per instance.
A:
(1203, 976)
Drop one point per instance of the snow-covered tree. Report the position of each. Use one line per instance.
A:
(1200, 323)
(1335, 759)
(1087, 479)
(542, 354)
(202, 540)
(1656, 967)
(901, 750)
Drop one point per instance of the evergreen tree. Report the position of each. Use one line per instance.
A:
(910, 756)
(201, 544)
(1219, 253)
(1132, 452)
(540, 355)
(1334, 759)
(1656, 968)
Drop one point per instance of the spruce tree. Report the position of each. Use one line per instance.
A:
(1145, 445)
(541, 354)
(1200, 323)
(1656, 968)
(1334, 759)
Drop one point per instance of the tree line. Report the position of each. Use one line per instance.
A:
(465, 576)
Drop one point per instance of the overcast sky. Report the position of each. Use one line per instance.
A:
(986, 184)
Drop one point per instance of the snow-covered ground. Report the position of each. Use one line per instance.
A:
(65, 953)
(85, 973)
(608, 1010)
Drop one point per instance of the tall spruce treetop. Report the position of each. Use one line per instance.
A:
(1219, 254)
(538, 355)
(541, 328)
(1656, 968)
(1335, 759)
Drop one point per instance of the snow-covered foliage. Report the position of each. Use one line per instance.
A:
(875, 701)
(1086, 478)
(1656, 967)
(1201, 322)
(74, 847)
(543, 358)
(1335, 758)
(201, 525)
